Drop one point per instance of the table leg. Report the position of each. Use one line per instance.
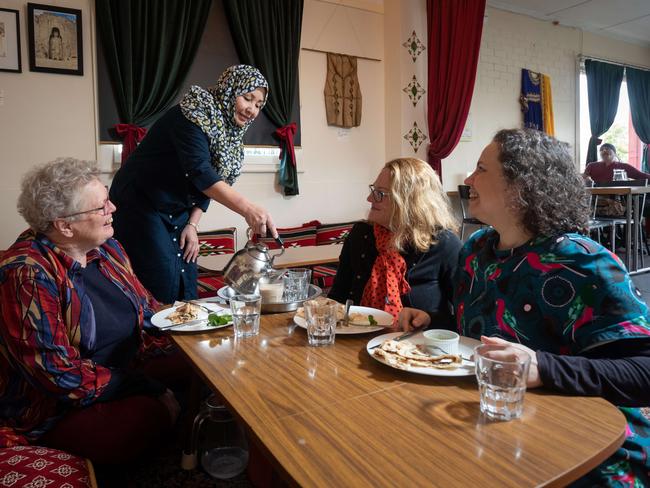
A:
(628, 232)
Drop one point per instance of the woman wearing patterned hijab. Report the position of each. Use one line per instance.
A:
(191, 155)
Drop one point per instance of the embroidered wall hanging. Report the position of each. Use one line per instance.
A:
(342, 91)
(536, 101)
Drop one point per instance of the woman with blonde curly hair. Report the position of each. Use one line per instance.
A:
(405, 255)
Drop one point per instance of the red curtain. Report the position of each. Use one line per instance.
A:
(454, 33)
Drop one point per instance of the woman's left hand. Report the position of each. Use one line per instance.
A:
(189, 243)
(514, 350)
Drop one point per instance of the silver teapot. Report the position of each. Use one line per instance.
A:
(249, 264)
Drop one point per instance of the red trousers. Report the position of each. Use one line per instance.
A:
(120, 431)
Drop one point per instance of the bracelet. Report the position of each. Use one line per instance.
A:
(196, 226)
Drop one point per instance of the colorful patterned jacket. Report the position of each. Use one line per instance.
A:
(47, 333)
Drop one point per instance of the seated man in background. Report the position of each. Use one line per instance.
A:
(603, 170)
(71, 327)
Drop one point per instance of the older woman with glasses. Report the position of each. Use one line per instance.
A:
(71, 327)
(406, 254)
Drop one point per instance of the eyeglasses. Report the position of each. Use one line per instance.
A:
(377, 195)
(104, 209)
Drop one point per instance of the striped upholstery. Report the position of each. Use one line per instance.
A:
(332, 233)
(220, 241)
(323, 275)
(302, 236)
(208, 285)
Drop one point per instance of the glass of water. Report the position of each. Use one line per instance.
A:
(501, 382)
(246, 314)
(321, 322)
(296, 284)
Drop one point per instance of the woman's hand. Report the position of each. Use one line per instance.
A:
(189, 243)
(513, 351)
(259, 220)
(412, 318)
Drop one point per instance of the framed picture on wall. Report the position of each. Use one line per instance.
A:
(9, 41)
(55, 40)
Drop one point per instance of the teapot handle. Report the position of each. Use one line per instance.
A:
(280, 243)
(278, 240)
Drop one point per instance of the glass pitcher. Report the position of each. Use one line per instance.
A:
(220, 440)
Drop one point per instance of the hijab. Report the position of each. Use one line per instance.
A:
(213, 110)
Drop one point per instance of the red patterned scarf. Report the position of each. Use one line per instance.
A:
(387, 281)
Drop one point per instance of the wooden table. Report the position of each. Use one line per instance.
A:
(293, 257)
(632, 219)
(333, 416)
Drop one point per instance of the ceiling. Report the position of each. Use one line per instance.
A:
(627, 20)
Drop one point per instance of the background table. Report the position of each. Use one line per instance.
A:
(333, 416)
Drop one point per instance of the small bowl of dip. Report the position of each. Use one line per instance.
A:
(445, 340)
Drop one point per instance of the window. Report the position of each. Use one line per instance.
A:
(628, 145)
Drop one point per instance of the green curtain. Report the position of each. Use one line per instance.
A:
(603, 89)
(149, 47)
(638, 91)
(267, 36)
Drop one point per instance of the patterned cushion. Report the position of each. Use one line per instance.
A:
(35, 466)
(323, 275)
(207, 286)
(332, 233)
(302, 236)
(220, 241)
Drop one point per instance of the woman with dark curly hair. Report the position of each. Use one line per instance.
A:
(534, 284)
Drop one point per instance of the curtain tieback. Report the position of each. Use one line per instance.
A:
(131, 135)
(286, 134)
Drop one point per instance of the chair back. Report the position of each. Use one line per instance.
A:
(463, 195)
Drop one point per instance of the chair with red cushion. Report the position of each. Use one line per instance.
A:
(302, 236)
(333, 233)
(323, 275)
(44, 466)
(220, 241)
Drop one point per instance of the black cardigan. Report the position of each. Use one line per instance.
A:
(430, 274)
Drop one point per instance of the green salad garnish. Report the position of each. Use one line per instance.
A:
(215, 320)
(372, 320)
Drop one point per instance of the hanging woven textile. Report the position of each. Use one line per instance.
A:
(547, 106)
(342, 91)
(531, 99)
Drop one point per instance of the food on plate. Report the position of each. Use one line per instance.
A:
(215, 320)
(355, 318)
(184, 313)
(405, 354)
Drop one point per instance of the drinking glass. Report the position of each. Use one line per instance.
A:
(321, 322)
(246, 314)
(501, 383)
(296, 284)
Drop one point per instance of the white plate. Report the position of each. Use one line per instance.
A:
(465, 348)
(160, 319)
(384, 319)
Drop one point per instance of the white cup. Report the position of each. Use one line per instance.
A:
(271, 292)
(445, 340)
